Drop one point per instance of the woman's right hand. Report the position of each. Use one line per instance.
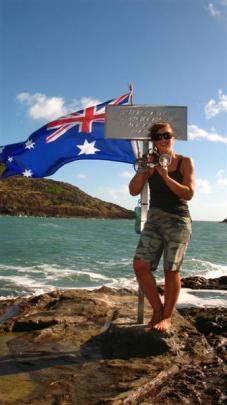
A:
(137, 183)
(151, 157)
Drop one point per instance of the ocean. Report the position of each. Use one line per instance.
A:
(41, 254)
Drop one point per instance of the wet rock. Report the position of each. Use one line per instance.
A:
(85, 347)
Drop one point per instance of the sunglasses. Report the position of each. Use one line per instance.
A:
(165, 135)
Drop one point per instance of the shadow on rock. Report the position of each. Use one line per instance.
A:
(125, 342)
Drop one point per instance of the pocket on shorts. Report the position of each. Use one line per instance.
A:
(180, 230)
(183, 229)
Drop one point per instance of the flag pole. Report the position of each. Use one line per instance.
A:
(131, 93)
(135, 143)
(144, 209)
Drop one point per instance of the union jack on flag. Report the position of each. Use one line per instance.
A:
(79, 135)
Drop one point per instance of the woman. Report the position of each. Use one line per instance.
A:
(167, 230)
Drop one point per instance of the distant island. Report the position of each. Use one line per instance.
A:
(224, 221)
(20, 196)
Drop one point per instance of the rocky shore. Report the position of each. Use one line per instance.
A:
(80, 347)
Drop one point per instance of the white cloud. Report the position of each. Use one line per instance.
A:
(42, 107)
(86, 102)
(196, 133)
(203, 186)
(118, 193)
(213, 108)
(47, 108)
(127, 175)
(81, 176)
(221, 178)
(214, 12)
(209, 209)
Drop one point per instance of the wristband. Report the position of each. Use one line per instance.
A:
(141, 169)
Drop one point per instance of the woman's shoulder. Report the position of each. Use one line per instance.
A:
(187, 165)
(185, 159)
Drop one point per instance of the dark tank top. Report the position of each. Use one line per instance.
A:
(162, 197)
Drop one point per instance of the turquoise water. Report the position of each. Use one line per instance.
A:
(39, 254)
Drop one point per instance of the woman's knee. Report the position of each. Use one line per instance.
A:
(171, 274)
(141, 267)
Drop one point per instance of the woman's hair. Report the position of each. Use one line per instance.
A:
(156, 127)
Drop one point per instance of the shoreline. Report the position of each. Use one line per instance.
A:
(188, 284)
(64, 217)
(189, 298)
(217, 221)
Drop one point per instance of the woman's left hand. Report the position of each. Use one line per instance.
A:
(162, 170)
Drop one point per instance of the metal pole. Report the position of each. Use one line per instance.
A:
(144, 209)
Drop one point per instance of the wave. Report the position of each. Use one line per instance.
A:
(50, 272)
(33, 280)
(49, 225)
(114, 263)
(202, 298)
(26, 280)
(204, 268)
(192, 267)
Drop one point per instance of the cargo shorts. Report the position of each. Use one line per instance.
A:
(166, 234)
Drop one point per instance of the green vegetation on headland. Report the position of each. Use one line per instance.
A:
(43, 197)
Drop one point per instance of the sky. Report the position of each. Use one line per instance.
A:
(59, 55)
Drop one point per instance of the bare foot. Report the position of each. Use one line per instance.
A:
(156, 318)
(163, 325)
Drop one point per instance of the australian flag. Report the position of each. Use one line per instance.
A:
(79, 135)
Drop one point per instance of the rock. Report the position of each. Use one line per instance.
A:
(212, 323)
(196, 282)
(200, 283)
(84, 347)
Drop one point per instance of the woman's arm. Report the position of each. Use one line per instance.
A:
(187, 188)
(137, 183)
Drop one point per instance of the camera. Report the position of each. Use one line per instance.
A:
(151, 159)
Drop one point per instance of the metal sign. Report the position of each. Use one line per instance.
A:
(134, 121)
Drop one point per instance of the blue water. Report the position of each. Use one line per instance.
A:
(39, 254)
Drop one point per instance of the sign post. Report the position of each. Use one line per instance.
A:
(144, 210)
(133, 122)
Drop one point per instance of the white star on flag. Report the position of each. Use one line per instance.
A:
(27, 173)
(87, 148)
(10, 159)
(29, 144)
